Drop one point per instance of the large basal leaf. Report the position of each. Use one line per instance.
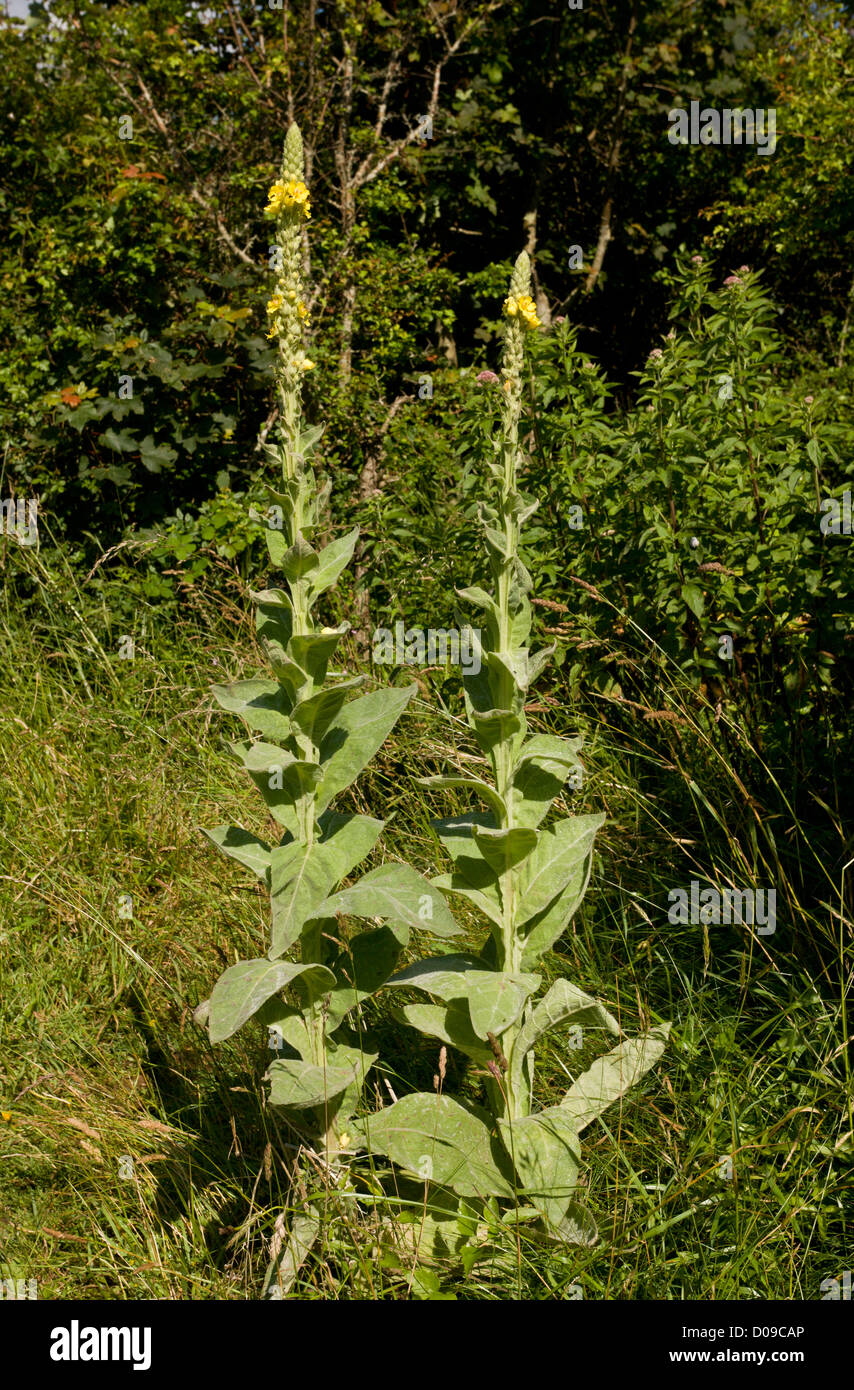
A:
(247, 849)
(395, 891)
(561, 858)
(441, 1141)
(539, 776)
(357, 732)
(301, 1085)
(301, 877)
(546, 1154)
(243, 988)
(610, 1076)
(563, 1003)
(449, 1024)
(261, 703)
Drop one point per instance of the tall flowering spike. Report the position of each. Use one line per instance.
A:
(521, 314)
(290, 206)
(293, 163)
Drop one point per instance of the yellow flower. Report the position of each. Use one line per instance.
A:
(344, 1141)
(303, 312)
(5, 1115)
(274, 304)
(524, 306)
(306, 365)
(283, 196)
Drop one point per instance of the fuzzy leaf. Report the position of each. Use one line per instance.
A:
(504, 849)
(357, 732)
(363, 968)
(351, 837)
(441, 1141)
(314, 715)
(612, 1075)
(539, 776)
(300, 1085)
(395, 890)
(301, 876)
(481, 789)
(331, 562)
(261, 703)
(247, 849)
(546, 1154)
(451, 1024)
(243, 988)
(563, 1003)
(560, 861)
(494, 1000)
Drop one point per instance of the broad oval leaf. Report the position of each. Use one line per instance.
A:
(244, 988)
(441, 1141)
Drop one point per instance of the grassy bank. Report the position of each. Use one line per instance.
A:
(109, 766)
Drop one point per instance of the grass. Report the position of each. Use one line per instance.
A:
(110, 765)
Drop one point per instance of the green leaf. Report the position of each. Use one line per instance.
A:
(451, 1024)
(539, 776)
(395, 890)
(243, 988)
(314, 715)
(281, 778)
(298, 560)
(362, 969)
(693, 596)
(313, 652)
(331, 562)
(300, 1085)
(577, 1226)
(560, 861)
(351, 837)
(487, 899)
(445, 977)
(442, 1141)
(496, 1000)
(610, 1076)
(247, 849)
(546, 1154)
(301, 876)
(481, 789)
(261, 703)
(504, 849)
(563, 1003)
(352, 740)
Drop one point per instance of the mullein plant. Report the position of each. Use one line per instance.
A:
(527, 881)
(308, 742)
